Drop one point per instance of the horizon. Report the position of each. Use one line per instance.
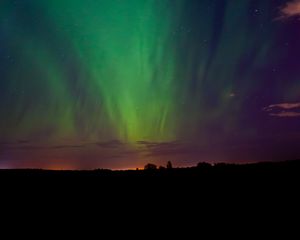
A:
(157, 168)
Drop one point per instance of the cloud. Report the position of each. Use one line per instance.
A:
(110, 144)
(27, 145)
(173, 148)
(290, 9)
(66, 146)
(285, 105)
(19, 142)
(156, 145)
(285, 114)
(283, 110)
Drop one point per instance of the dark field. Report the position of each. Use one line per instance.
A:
(218, 173)
(217, 186)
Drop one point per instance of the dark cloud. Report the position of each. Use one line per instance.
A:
(23, 141)
(110, 144)
(168, 148)
(24, 145)
(19, 142)
(285, 114)
(67, 146)
(154, 145)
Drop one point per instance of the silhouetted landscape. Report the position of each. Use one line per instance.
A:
(202, 170)
(218, 184)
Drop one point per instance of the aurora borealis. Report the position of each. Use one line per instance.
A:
(119, 83)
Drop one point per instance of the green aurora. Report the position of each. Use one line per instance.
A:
(93, 69)
(143, 71)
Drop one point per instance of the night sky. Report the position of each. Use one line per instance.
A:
(116, 84)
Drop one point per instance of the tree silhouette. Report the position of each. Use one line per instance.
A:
(169, 165)
(150, 166)
(204, 165)
(161, 168)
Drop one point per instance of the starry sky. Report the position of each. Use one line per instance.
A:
(116, 84)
